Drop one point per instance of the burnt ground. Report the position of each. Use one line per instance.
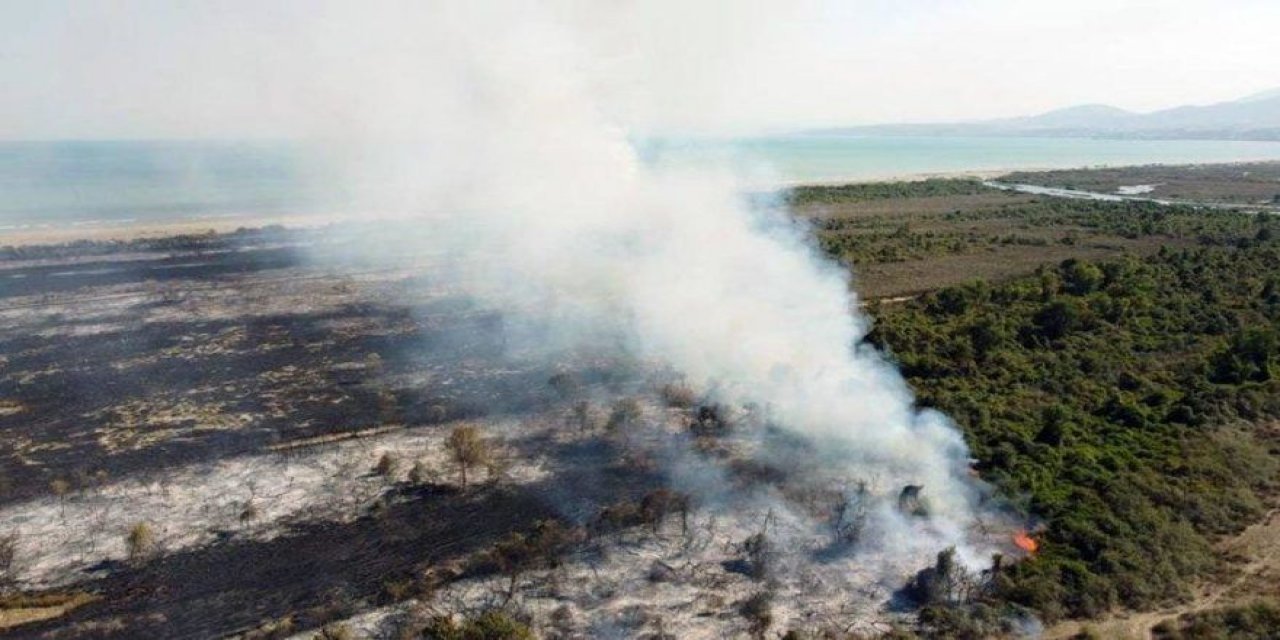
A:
(120, 391)
(114, 367)
(317, 573)
(322, 571)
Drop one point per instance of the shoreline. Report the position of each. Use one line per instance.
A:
(34, 234)
(992, 174)
(977, 174)
(125, 231)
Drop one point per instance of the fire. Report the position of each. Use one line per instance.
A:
(1025, 542)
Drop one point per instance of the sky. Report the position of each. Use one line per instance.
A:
(302, 68)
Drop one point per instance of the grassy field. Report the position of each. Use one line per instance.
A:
(925, 235)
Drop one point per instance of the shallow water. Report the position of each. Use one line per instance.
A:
(103, 183)
(825, 158)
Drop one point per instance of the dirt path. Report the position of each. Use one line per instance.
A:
(1255, 573)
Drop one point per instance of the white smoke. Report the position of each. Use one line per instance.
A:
(505, 131)
(509, 153)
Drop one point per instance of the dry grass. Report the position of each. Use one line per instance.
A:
(1254, 182)
(21, 609)
(895, 279)
(907, 209)
(984, 257)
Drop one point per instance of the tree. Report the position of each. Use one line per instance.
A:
(467, 448)
(388, 465)
(758, 610)
(565, 385)
(1246, 358)
(1057, 319)
(249, 513)
(984, 336)
(849, 515)
(1081, 277)
(582, 415)
(942, 584)
(8, 554)
(952, 301)
(518, 553)
(418, 475)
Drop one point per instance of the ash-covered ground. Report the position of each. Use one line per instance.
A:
(230, 437)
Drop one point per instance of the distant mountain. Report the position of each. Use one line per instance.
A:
(1254, 117)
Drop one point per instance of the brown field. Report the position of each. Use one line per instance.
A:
(900, 279)
(1240, 183)
(999, 242)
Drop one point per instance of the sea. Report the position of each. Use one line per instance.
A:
(90, 183)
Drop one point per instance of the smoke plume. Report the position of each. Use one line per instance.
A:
(497, 131)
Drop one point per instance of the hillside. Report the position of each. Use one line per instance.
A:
(1254, 117)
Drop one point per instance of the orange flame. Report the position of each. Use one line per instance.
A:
(1025, 542)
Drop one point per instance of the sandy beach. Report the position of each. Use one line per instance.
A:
(125, 231)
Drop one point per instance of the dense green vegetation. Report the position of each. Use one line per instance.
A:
(1129, 219)
(1115, 402)
(1260, 621)
(860, 192)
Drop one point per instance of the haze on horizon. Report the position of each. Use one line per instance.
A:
(241, 69)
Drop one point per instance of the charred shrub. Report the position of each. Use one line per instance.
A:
(756, 557)
(653, 510)
(616, 517)
(8, 557)
(711, 420)
(626, 413)
(942, 584)
(657, 505)
(678, 395)
(520, 553)
(758, 610)
(388, 465)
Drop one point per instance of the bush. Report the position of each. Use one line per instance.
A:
(140, 542)
(758, 610)
(388, 465)
(335, 632)
(1258, 620)
(490, 625)
(679, 395)
(624, 415)
(418, 474)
